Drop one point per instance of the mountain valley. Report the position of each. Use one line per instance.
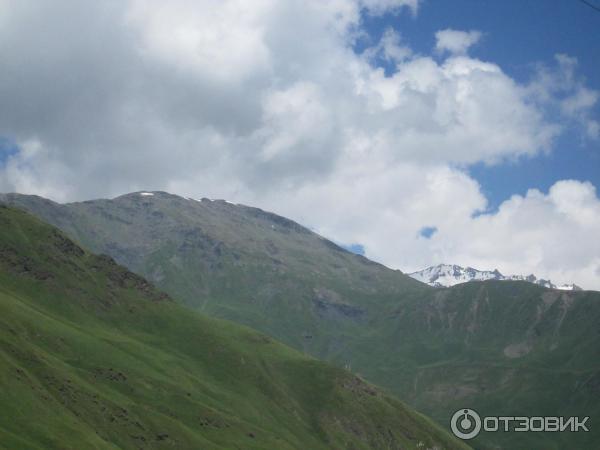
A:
(500, 347)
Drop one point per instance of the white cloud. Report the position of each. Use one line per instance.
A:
(561, 89)
(552, 235)
(292, 115)
(455, 41)
(378, 7)
(266, 103)
(390, 48)
(223, 41)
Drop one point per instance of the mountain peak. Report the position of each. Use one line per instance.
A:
(445, 275)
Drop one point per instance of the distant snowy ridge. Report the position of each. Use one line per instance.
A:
(444, 275)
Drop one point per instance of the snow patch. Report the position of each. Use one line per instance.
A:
(146, 194)
(446, 275)
(568, 287)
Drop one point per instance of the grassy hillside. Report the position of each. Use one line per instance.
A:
(499, 347)
(236, 262)
(94, 357)
(503, 347)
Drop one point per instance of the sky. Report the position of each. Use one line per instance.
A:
(416, 132)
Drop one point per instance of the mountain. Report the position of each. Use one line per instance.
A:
(499, 347)
(236, 262)
(503, 347)
(93, 356)
(446, 275)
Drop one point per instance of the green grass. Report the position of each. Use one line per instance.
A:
(437, 349)
(94, 357)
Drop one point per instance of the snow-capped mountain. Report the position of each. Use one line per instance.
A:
(444, 275)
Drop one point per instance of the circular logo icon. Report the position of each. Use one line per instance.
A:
(465, 424)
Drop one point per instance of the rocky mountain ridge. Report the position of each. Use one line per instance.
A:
(446, 275)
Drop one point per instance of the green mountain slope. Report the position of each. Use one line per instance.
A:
(94, 357)
(236, 262)
(499, 347)
(503, 347)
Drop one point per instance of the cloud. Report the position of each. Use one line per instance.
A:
(378, 7)
(450, 112)
(561, 90)
(550, 234)
(267, 103)
(390, 48)
(223, 42)
(456, 42)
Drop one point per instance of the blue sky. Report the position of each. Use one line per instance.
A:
(516, 36)
(8, 148)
